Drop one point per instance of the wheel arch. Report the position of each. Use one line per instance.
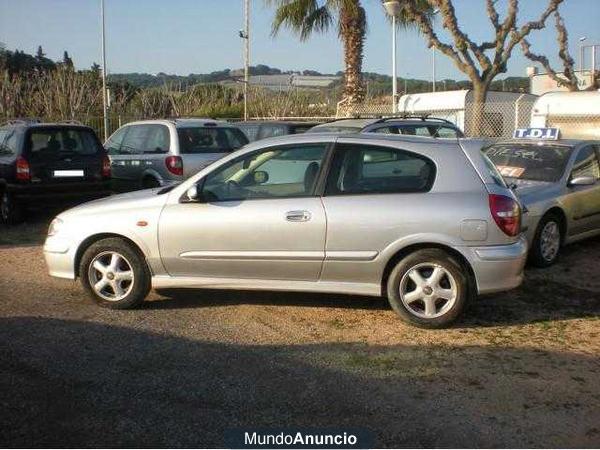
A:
(563, 223)
(87, 242)
(405, 251)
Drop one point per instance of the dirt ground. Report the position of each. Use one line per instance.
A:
(522, 369)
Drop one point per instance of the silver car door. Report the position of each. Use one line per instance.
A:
(585, 200)
(258, 217)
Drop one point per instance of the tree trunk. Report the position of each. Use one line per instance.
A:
(477, 126)
(352, 31)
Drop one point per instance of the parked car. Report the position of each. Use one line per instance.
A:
(152, 153)
(408, 125)
(256, 130)
(45, 163)
(558, 182)
(426, 223)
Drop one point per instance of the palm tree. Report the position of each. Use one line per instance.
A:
(307, 16)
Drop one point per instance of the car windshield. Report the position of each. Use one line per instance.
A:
(210, 139)
(530, 161)
(62, 141)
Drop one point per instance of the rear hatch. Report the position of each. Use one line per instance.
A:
(201, 145)
(63, 155)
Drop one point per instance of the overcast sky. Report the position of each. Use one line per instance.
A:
(199, 36)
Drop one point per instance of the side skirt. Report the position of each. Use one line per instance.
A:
(162, 281)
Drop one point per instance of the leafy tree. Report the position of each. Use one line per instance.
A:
(474, 59)
(67, 61)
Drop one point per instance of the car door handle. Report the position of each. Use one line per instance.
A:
(297, 216)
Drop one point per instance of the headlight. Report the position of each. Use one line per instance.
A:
(54, 226)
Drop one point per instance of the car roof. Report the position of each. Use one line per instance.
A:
(541, 142)
(328, 136)
(35, 124)
(184, 122)
(350, 123)
(281, 122)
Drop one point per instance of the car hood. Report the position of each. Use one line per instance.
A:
(130, 200)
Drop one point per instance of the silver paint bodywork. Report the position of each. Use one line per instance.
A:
(136, 167)
(340, 244)
(580, 205)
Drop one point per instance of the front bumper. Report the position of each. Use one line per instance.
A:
(500, 267)
(60, 258)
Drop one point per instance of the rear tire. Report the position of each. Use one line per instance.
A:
(11, 212)
(150, 182)
(114, 274)
(428, 288)
(546, 245)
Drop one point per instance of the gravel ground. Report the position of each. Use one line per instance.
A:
(522, 369)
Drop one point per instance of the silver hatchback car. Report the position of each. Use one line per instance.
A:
(152, 153)
(429, 224)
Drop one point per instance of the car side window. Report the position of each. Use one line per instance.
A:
(4, 150)
(445, 132)
(386, 130)
(135, 139)
(113, 144)
(586, 164)
(267, 131)
(158, 139)
(366, 169)
(275, 172)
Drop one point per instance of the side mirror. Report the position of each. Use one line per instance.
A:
(260, 177)
(192, 194)
(582, 181)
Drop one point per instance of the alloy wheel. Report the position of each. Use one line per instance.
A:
(111, 276)
(550, 241)
(428, 290)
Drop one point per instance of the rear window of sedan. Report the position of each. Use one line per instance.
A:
(530, 161)
(210, 139)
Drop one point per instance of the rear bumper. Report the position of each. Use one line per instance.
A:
(498, 268)
(44, 193)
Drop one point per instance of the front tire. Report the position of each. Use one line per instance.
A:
(11, 212)
(114, 274)
(547, 242)
(428, 288)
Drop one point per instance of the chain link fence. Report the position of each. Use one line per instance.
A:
(496, 120)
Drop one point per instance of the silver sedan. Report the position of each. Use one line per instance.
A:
(428, 224)
(558, 182)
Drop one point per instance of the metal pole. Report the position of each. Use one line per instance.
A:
(394, 77)
(104, 96)
(581, 59)
(433, 68)
(246, 55)
(593, 64)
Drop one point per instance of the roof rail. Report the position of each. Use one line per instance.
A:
(23, 121)
(422, 117)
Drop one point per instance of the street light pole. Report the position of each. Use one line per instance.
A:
(433, 68)
(246, 55)
(393, 8)
(582, 54)
(104, 96)
(394, 69)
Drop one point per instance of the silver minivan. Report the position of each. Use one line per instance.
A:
(426, 223)
(154, 153)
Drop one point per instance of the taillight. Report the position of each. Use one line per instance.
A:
(507, 214)
(174, 165)
(105, 167)
(23, 173)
